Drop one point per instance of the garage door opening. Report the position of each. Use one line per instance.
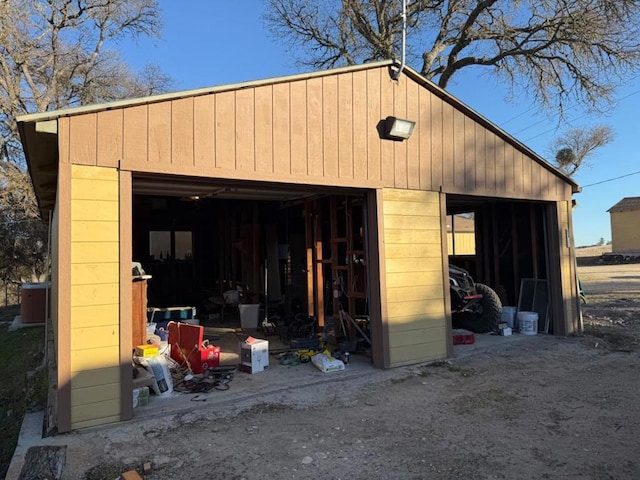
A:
(504, 245)
(294, 258)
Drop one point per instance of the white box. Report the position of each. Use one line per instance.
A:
(254, 355)
(505, 332)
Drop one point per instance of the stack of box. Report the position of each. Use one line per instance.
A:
(254, 355)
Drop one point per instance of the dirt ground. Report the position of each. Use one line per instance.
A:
(545, 407)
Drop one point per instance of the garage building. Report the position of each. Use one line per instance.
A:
(298, 180)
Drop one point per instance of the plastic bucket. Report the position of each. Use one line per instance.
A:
(249, 314)
(528, 323)
(509, 316)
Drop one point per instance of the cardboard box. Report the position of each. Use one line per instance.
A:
(254, 355)
(146, 351)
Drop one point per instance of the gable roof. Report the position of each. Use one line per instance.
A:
(627, 203)
(39, 131)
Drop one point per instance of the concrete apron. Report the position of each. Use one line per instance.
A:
(299, 386)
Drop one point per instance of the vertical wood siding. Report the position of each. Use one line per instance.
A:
(95, 319)
(568, 271)
(413, 274)
(320, 130)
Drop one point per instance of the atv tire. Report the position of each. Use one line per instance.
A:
(490, 312)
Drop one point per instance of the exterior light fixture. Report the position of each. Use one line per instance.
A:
(398, 128)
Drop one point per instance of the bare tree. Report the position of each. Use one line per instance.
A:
(576, 145)
(559, 50)
(56, 54)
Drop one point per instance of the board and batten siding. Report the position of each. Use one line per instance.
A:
(95, 283)
(315, 130)
(415, 303)
(568, 274)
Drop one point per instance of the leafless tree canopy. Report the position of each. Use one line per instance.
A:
(56, 54)
(558, 50)
(576, 145)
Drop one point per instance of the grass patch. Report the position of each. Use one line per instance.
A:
(22, 389)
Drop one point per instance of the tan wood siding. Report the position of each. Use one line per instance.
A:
(94, 282)
(415, 306)
(318, 130)
(625, 231)
(569, 293)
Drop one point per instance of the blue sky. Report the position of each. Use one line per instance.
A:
(216, 42)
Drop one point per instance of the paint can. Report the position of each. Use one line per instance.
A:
(528, 323)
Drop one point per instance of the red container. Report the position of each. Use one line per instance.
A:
(463, 337)
(188, 348)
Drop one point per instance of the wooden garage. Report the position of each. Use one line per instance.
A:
(300, 173)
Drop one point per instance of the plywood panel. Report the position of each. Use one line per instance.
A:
(264, 128)
(387, 147)
(281, 129)
(109, 141)
(225, 128)
(417, 250)
(361, 127)
(459, 149)
(160, 136)
(471, 148)
(407, 265)
(330, 126)
(315, 124)
(245, 130)
(408, 334)
(83, 131)
(431, 319)
(394, 222)
(424, 133)
(413, 144)
(79, 172)
(374, 115)
(481, 158)
(203, 132)
(182, 134)
(135, 139)
(298, 126)
(400, 149)
(448, 139)
(345, 126)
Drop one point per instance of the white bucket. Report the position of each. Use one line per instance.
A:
(249, 314)
(528, 323)
(509, 316)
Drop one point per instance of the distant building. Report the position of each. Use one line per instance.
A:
(625, 225)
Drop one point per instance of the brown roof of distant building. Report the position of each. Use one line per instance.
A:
(627, 203)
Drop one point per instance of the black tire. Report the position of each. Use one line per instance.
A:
(490, 311)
